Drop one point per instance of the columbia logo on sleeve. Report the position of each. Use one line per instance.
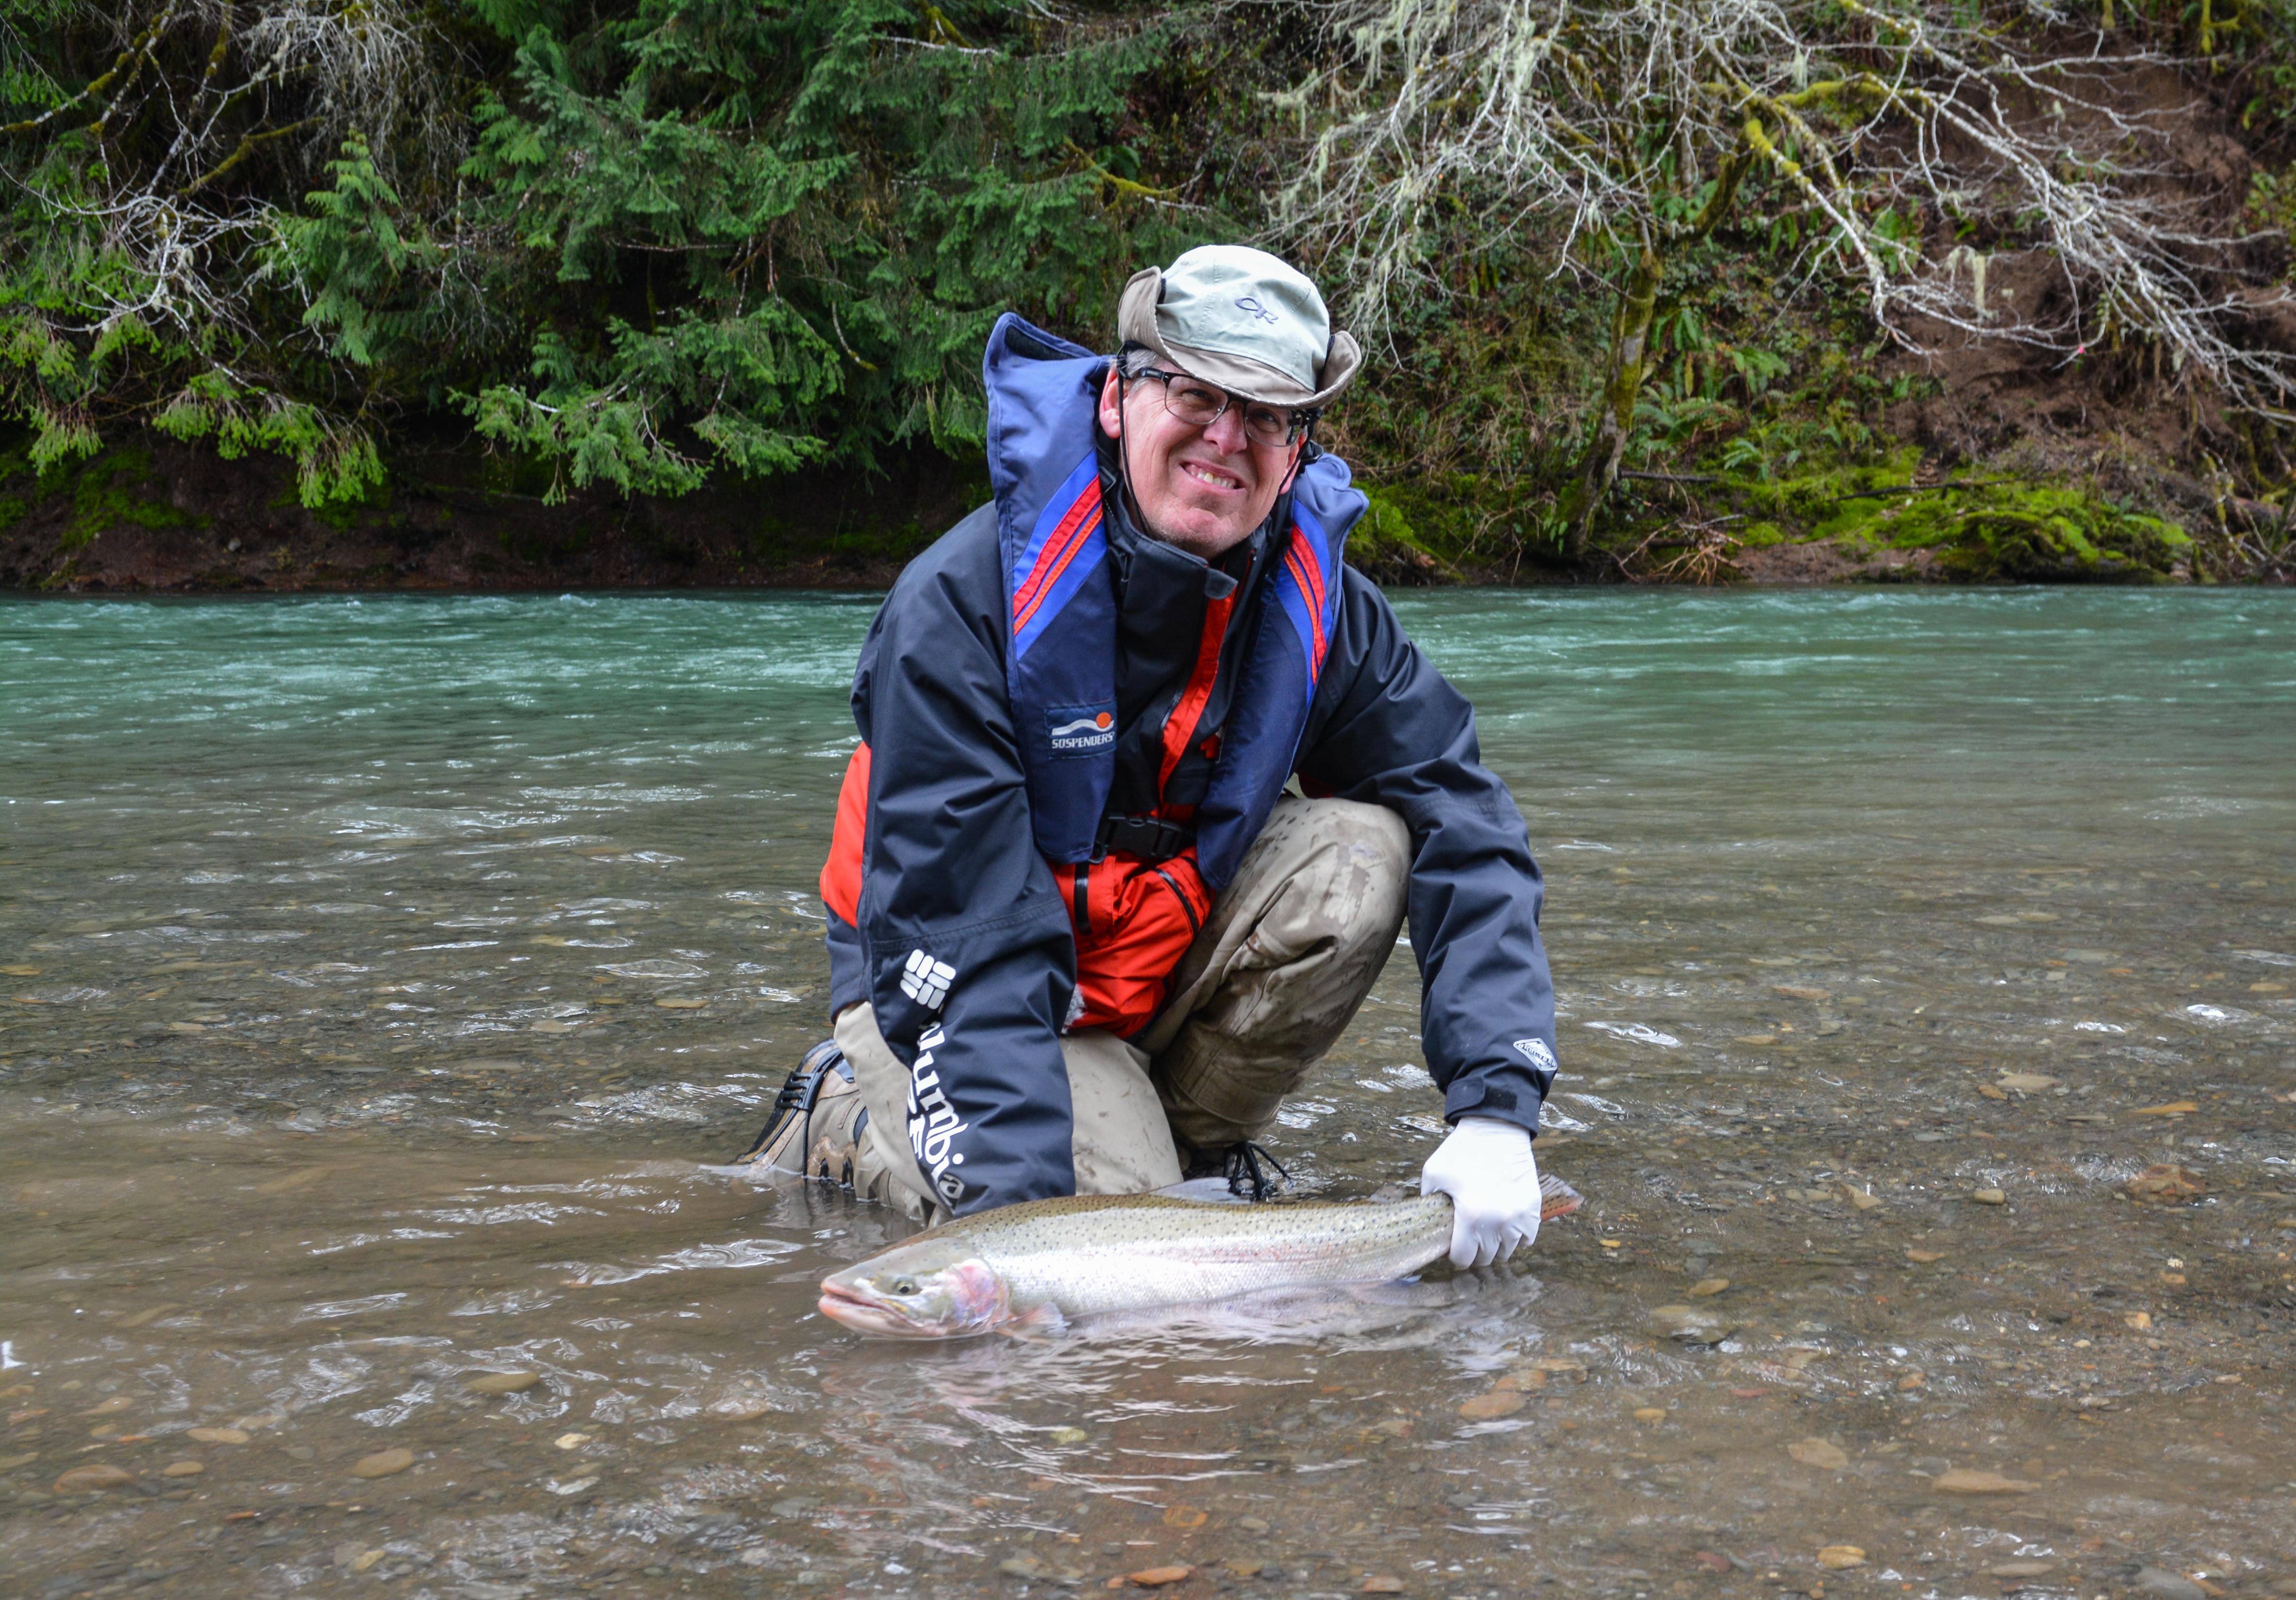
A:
(926, 981)
(1536, 1052)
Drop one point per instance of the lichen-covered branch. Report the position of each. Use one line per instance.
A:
(1891, 135)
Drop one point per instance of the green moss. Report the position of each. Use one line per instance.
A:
(868, 542)
(1386, 545)
(2010, 531)
(520, 472)
(117, 488)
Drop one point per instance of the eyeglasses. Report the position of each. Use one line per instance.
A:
(1199, 405)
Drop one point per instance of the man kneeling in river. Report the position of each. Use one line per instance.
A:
(1082, 940)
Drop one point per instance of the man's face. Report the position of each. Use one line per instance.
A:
(1202, 489)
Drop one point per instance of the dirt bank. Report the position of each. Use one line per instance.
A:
(153, 515)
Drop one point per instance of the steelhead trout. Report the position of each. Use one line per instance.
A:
(1047, 1260)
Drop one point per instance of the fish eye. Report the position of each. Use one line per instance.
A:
(905, 1286)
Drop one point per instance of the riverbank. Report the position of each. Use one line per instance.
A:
(154, 515)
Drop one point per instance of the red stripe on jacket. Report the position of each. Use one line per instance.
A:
(1301, 559)
(1060, 549)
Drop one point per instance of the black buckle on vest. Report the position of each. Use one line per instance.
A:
(1149, 838)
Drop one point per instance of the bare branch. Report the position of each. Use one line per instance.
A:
(1594, 126)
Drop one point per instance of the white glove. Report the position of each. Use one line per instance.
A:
(1487, 1169)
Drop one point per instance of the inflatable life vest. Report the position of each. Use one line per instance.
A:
(1044, 466)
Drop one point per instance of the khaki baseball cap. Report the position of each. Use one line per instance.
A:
(1243, 319)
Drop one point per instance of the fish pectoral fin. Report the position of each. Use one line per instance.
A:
(1556, 1198)
(1043, 1322)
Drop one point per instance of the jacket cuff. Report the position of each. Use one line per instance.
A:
(849, 966)
(1504, 1093)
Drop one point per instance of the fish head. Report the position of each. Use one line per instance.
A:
(927, 1289)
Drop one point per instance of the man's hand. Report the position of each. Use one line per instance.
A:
(1487, 1169)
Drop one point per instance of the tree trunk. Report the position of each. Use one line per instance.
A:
(1614, 422)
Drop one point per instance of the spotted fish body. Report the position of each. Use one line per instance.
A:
(1049, 1260)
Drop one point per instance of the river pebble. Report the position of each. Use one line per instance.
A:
(1968, 1481)
(382, 1464)
(94, 1477)
(1692, 1325)
(2026, 1083)
(1818, 1453)
(504, 1382)
(2165, 1585)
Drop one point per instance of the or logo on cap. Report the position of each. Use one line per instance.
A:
(1252, 305)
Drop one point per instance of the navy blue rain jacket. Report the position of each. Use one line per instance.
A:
(950, 863)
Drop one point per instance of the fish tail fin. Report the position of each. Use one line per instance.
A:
(1557, 1198)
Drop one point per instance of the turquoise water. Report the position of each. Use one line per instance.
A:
(382, 976)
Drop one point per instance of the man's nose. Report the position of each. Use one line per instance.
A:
(1225, 434)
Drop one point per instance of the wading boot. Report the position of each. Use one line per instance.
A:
(816, 1121)
(1244, 1165)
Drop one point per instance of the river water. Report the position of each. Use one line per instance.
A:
(384, 977)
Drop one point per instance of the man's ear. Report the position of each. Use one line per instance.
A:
(1111, 403)
(1291, 472)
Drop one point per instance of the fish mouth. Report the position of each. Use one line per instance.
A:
(865, 1315)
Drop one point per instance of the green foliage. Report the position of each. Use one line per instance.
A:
(684, 236)
(634, 244)
(2258, 39)
(754, 238)
(2272, 203)
(26, 50)
(334, 462)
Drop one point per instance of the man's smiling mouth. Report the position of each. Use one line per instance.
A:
(1213, 476)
